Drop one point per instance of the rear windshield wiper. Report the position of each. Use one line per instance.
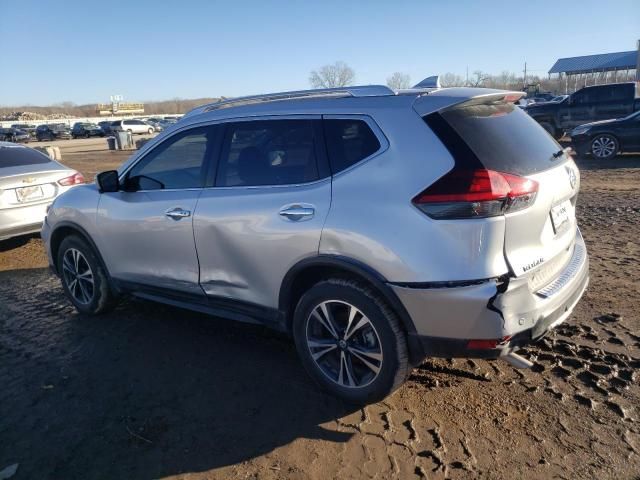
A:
(559, 153)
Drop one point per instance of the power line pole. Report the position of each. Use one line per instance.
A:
(467, 81)
(525, 74)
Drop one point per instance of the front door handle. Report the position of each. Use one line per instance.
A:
(298, 212)
(177, 213)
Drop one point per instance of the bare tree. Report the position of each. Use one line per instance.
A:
(330, 76)
(451, 80)
(480, 79)
(399, 80)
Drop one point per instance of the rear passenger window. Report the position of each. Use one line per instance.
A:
(268, 152)
(348, 142)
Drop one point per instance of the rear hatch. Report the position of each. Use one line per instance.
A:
(499, 137)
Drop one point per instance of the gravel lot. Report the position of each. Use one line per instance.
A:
(153, 392)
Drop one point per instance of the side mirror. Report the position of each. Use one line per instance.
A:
(108, 181)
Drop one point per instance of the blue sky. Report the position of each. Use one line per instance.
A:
(55, 51)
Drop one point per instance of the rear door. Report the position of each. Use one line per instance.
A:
(613, 101)
(505, 139)
(266, 209)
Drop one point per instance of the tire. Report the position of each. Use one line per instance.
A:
(150, 131)
(375, 328)
(604, 146)
(87, 135)
(91, 293)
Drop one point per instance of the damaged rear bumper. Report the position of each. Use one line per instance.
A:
(508, 312)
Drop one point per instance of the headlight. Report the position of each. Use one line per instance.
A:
(579, 130)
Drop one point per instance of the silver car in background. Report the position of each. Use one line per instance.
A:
(377, 227)
(29, 182)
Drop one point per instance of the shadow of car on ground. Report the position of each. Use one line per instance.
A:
(146, 391)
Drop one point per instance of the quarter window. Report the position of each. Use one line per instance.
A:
(268, 152)
(177, 163)
(348, 142)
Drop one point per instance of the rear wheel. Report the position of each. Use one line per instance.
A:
(604, 146)
(84, 280)
(350, 341)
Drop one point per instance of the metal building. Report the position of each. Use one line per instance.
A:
(578, 72)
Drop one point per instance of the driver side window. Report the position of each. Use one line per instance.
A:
(177, 163)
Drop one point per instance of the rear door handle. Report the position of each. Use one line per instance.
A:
(297, 213)
(177, 213)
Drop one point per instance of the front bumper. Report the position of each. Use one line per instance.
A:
(446, 319)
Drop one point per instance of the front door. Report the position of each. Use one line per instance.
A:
(146, 230)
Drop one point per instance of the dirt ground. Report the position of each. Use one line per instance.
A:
(155, 392)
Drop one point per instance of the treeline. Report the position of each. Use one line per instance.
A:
(70, 109)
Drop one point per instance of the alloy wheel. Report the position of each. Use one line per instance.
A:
(344, 344)
(603, 147)
(78, 276)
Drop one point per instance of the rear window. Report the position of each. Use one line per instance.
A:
(20, 156)
(500, 137)
(268, 152)
(348, 142)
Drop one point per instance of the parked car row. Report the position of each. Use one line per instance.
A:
(14, 135)
(589, 104)
(23, 133)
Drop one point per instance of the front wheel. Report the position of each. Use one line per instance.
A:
(84, 279)
(604, 147)
(350, 341)
(150, 131)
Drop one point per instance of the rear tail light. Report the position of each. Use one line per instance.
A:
(75, 179)
(476, 193)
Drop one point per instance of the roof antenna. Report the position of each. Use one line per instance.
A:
(429, 82)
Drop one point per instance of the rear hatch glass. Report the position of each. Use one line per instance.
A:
(504, 138)
(20, 156)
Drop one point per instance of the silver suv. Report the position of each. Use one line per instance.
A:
(378, 227)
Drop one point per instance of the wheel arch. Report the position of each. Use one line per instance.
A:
(65, 229)
(310, 271)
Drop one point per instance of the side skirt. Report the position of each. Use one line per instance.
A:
(226, 308)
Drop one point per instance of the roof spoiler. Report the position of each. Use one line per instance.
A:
(429, 82)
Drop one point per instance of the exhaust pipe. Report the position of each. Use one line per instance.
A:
(516, 360)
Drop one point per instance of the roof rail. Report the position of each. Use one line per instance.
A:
(356, 91)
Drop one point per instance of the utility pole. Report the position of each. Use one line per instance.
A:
(467, 80)
(525, 74)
